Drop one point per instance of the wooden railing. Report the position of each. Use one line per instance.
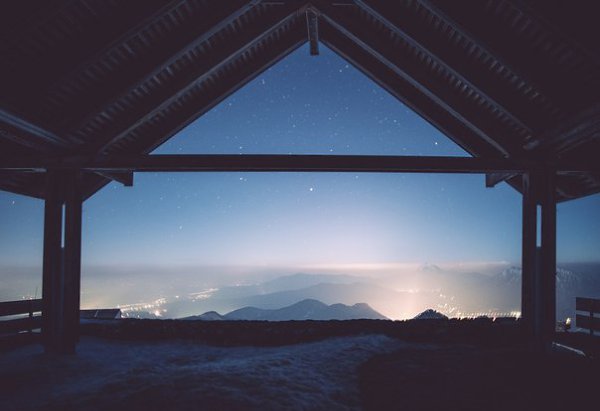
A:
(19, 308)
(591, 306)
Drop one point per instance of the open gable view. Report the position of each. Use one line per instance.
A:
(91, 88)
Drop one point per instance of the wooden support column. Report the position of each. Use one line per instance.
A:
(538, 292)
(62, 266)
(51, 281)
(72, 260)
(548, 260)
(528, 253)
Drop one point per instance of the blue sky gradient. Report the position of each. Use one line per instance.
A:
(302, 105)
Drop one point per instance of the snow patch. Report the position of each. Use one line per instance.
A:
(109, 374)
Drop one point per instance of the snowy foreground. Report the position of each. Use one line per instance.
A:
(118, 375)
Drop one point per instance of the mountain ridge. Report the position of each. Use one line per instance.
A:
(307, 309)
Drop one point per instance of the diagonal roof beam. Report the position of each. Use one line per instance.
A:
(54, 142)
(533, 11)
(501, 51)
(407, 93)
(162, 132)
(403, 26)
(153, 62)
(421, 81)
(159, 101)
(28, 128)
(571, 133)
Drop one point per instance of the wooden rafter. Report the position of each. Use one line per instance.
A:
(434, 90)
(158, 102)
(27, 128)
(503, 52)
(404, 26)
(536, 13)
(570, 133)
(287, 44)
(153, 63)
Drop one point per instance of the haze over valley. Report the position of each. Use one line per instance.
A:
(396, 291)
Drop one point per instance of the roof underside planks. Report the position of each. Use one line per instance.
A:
(508, 79)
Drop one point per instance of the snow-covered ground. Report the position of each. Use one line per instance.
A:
(117, 375)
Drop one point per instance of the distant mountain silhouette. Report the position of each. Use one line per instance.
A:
(285, 283)
(449, 291)
(584, 282)
(430, 315)
(308, 309)
(207, 316)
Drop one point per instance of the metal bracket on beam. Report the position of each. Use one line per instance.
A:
(312, 22)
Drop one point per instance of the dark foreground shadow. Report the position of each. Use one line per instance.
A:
(469, 378)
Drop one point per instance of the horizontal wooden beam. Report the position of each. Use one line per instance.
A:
(21, 324)
(587, 304)
(20, 307)
(288, 163)
(587, 322)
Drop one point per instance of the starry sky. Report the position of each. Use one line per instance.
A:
(302, 105)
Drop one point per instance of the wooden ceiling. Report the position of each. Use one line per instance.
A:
(511, 79)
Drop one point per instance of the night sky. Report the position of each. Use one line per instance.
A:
(302, 105)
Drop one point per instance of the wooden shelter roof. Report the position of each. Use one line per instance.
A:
(514, 79)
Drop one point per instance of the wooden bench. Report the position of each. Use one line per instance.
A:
(18, 309)
(591, 306)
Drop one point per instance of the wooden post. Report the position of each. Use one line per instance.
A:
(528, 252)
(51, 265)
(61, 272)
(72, 260)
(548, 259)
